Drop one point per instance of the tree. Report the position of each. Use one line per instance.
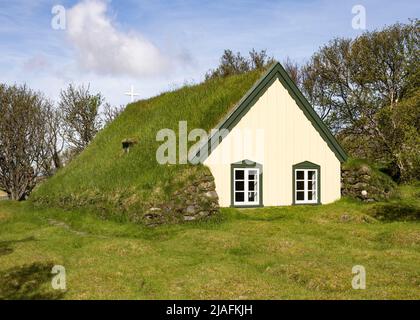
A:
(357, 87)
(293, 70)
(259, 59)
(55, 138)
(231, 64)
(110, 113)
(400, 127)
(24, 140)
(80, 115)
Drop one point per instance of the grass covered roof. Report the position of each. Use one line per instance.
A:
(105, 179)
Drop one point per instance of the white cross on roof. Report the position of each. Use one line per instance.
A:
(131, 93)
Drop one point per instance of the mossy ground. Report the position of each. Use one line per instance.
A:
(300, 252)
(359, 175)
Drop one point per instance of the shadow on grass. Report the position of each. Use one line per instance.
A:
(396, 212)
(6, 246)
(28, 282)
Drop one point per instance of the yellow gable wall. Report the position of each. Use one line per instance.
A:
(288, 138)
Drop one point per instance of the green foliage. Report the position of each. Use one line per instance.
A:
(25, 139)
(121, 185)
(404, 138)
(363, 89)
(80, 113)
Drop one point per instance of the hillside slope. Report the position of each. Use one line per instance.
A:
(125, 186)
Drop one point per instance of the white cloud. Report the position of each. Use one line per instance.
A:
(103, 49)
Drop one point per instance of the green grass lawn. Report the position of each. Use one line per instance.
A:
(301, 252)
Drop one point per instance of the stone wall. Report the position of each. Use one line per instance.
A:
(365, 183)
(197, 201)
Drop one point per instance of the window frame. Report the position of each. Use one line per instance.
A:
(306, 166)
(247, 166)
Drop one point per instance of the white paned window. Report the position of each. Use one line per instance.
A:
(246, 186)
(306, 186)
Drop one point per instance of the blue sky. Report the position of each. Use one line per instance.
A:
(159, 45)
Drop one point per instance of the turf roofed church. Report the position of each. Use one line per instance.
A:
(273, 150)
(294, 160)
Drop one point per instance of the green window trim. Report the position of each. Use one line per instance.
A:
(247, 164)
(306, 165)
